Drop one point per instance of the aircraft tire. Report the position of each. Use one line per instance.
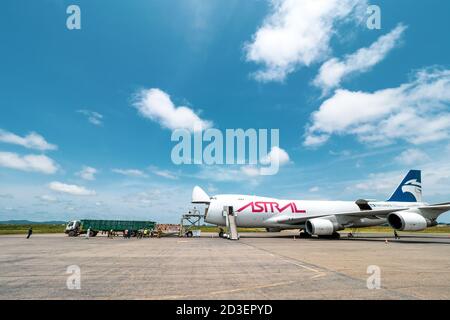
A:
(333, 236)
(305, 235)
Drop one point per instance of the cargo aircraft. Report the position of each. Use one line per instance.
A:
(403, 211)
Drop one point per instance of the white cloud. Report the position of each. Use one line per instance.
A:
(229, 173)
(343, 153)
(416, 112)
(48, 198)
(379, 183)
(435, 182)
(156, 105)
(87, 173)
(315, 140)
(31, 162)
(211, 188)
(412, 157)
(334, 70)
(130, 173)
(298, 33)
(239, 173)
(71, 189)
(276, 154)
(144, 198)
(250, 171)
(30, 141)
(93, 117)
(165, 174)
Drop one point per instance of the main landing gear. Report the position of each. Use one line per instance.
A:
(333, 236)
(305, 235)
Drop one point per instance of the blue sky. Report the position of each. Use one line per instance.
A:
(356, 108)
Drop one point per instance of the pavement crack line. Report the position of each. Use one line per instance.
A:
(206, 294)
(314, 268)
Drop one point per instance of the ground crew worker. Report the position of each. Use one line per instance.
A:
(396, 235)
(30, 232)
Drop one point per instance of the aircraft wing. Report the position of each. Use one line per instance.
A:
(437, 208)
(284, 219)
(370, 213)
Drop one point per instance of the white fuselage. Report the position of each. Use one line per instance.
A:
(261, 212)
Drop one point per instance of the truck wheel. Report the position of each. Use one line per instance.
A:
(189, 234)
(91, 233)
(72, 233)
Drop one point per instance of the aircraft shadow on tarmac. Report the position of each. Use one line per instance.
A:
(419, 239)
(404, 240)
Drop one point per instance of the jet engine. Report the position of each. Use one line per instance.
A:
(322, 227)
(408, 221)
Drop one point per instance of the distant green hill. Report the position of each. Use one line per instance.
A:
(27, 222)
(22, 228)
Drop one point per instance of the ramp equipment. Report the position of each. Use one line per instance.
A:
(189, 221)
(230, 217)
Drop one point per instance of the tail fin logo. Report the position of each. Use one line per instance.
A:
(413, 187)
(410, 190)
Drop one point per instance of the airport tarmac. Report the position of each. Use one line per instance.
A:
(258, 266)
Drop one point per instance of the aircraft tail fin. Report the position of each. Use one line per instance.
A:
(410, 190)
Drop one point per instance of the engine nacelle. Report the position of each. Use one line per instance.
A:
(408, 221)
(322, 227)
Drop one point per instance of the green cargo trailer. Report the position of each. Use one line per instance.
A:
(77, 227)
